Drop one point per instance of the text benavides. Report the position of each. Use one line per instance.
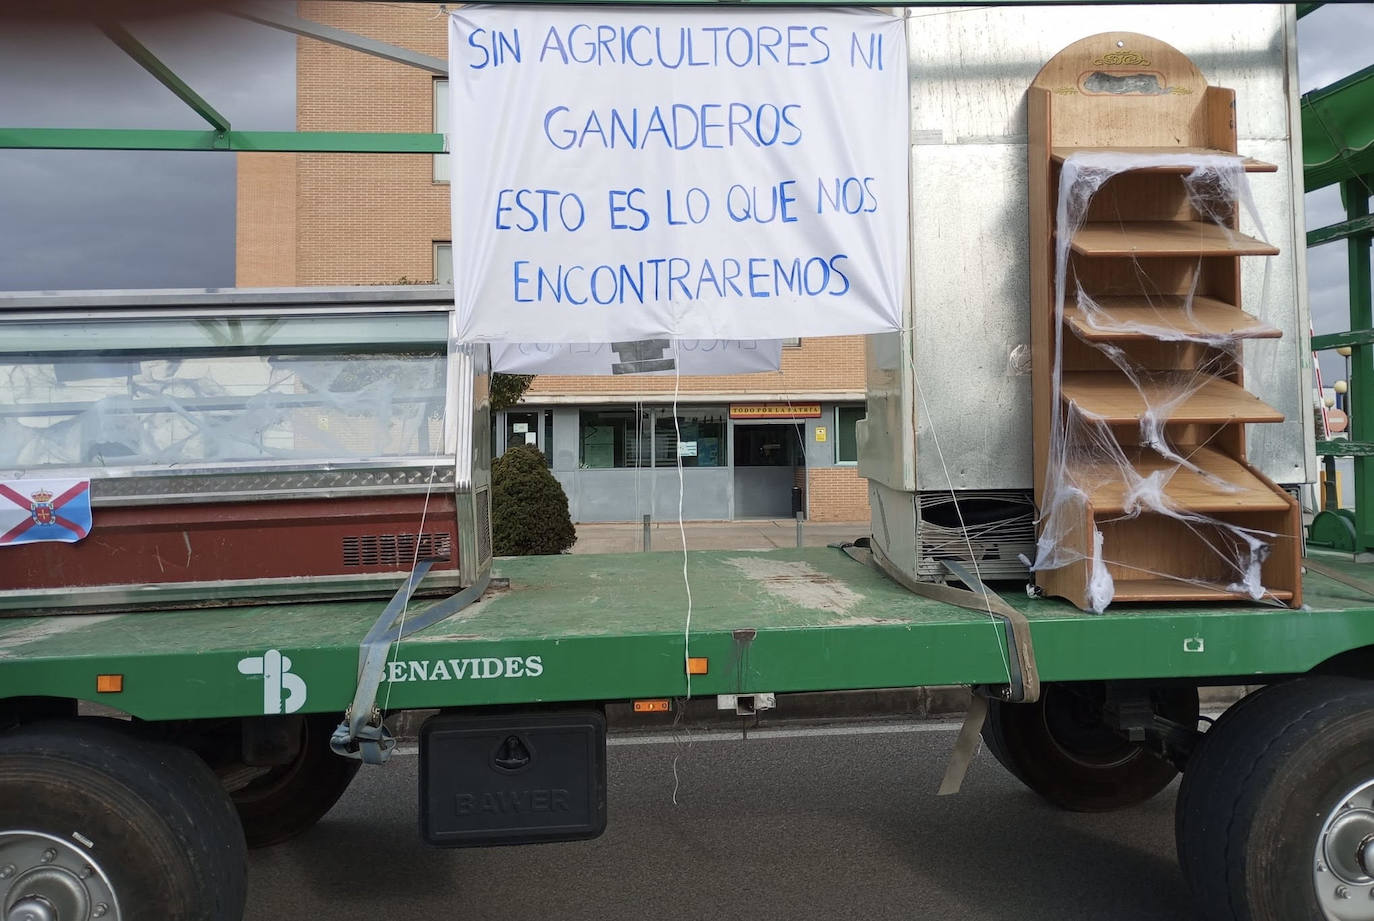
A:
(457, 669)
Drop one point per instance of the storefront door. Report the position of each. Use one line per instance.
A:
(528, 428)
(770, 464)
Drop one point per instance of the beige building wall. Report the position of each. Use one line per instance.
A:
(837, 494)
(368, 219)
(832, 367)
(265, 228)
(331, 219)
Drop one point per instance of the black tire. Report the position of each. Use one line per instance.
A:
(150, 819)
(1198, 778)
(1060, 748)
(1259, 792)
(291, 798)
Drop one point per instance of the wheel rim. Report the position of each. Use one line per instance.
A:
(45, 878)
(1074, 724)
(264, 784)
(1344, 861)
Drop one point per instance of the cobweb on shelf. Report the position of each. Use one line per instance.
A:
(1092, 455)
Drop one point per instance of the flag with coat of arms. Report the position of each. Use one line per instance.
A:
(33, 510)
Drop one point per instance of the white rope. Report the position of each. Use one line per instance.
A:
(681, 525)
(682, 532)
(963, 528)
(414, 561)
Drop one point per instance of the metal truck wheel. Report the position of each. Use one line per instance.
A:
(1060, 747)
(1275, 818)
(284, 801)
(97, 825)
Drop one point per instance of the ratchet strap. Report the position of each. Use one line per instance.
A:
(965, 747)
(361, 735)
(1022, 676)
(1025, 677)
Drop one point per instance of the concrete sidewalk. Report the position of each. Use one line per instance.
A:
(760, 534)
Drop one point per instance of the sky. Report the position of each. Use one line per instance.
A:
(1333, 41)
(130, 219)
(77, 219)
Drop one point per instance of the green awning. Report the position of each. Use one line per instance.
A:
(1338, 131)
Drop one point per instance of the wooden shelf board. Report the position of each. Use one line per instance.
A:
(1165, 317)
(1187, 489)
(1112, 397)
(1251, 165)
(1162, 590)
(1165, 238)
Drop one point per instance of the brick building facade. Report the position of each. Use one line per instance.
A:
(764, 443)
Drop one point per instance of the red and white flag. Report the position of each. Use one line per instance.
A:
(33, 510)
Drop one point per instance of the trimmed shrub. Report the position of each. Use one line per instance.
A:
(529, 510)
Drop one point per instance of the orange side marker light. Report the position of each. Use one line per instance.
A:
(652, 706)
(109, 684)
(696, 665)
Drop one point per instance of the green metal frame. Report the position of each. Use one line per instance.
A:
(164, 75)
(1338, 132)
(223, 138)
(1338, 148)
(234, 141)
(611, 628)
(615, 630)
(1342, 231)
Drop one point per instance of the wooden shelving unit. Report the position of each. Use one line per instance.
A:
(1165, 238)
(1196, 490)
(1193, 397)
(1164, 281)
(1124, 318)
(1251, 165)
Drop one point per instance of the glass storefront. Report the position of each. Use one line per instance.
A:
(612, 438)
(846, 438)
(697, 437)
(620, 462)
(630, 437)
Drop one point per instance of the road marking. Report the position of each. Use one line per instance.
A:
(734, 735)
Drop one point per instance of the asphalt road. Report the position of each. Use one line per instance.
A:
(818, 826)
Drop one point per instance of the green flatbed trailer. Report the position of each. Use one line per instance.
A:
(610, 628)
(103, 817)
(556, 638)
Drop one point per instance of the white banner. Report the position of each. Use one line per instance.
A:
(652, 356)
(705, 173)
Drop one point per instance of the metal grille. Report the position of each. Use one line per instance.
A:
(260, 484)
(998, 525)
(395, 549)
(483, 499)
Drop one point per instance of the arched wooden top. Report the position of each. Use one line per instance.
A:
(1124, 89)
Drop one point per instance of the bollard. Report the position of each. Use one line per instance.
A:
(800, 543)
(646, 534)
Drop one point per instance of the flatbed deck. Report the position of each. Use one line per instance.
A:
(611, 627)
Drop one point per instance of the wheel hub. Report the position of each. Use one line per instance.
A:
(33, 908)
(1074, 724)
(45, 878)
(1344, 871)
